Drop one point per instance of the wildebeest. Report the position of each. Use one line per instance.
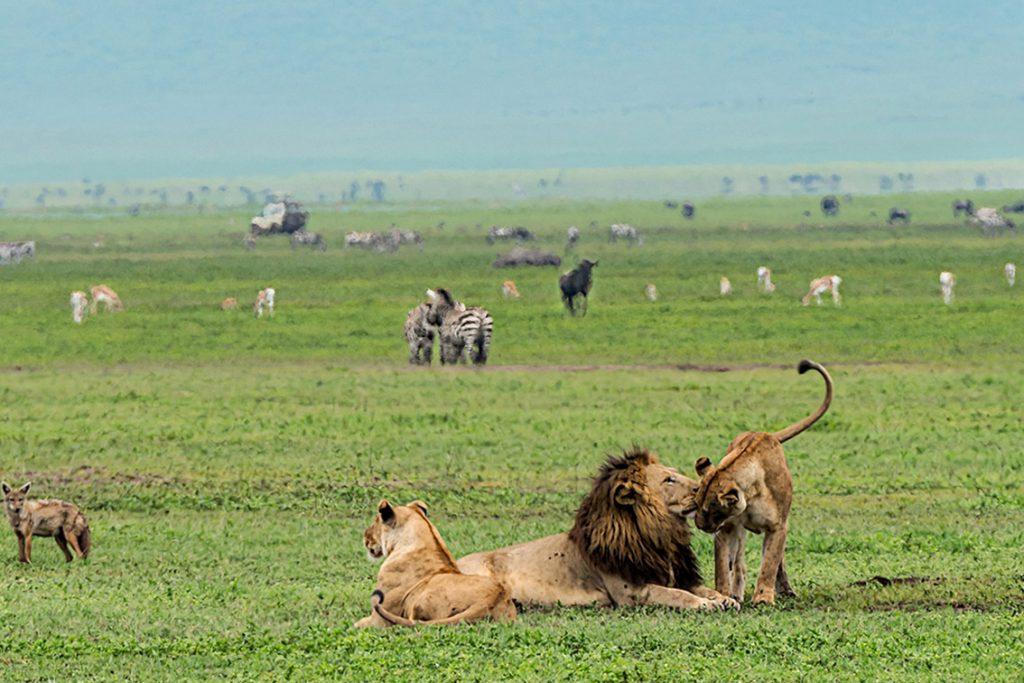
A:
(527, 257)
(963, 207)
(899, 215)
(1017, 207)
(669, 204)
(830, 205)
(689, 210)
(498, 232)
(577, 282)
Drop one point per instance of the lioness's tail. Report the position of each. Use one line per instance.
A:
(797, 427)
(474, 613)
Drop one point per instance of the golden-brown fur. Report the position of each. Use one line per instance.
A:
(419, 582)
(57, 518)
(752, 490)
(630, 545)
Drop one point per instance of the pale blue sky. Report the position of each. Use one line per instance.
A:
(125, 89)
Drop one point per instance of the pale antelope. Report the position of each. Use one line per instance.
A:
(947, 281)
(764, 280)
(724, 286)
(101, 294)
(508, 290)
(79, 302)
(229, 304)
(828, 283)
(1011, 273)
(651, 291)
(265, 299)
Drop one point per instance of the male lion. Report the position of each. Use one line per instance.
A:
(751, 489)
(419, 582)
(630, 545)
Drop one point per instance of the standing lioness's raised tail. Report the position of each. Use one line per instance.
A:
(752, 490)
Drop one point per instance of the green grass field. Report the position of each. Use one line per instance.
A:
(228, 465)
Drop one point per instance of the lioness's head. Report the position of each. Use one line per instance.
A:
(718, 497)
(14, 499)
(379, 537)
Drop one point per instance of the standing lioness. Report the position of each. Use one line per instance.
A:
(751, 489)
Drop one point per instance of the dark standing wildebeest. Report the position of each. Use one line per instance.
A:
(899, 215)
(965, 207)
(575, 283)
(1014, 208)
(689, 209)
(830, 205)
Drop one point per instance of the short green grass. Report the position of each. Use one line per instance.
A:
(229, 465)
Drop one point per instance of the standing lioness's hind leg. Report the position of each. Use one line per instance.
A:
(782, 586)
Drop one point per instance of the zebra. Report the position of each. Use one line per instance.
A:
(572, 236)
(624, 231)
(14, 252)
(407, 237)
(519, 233)
(314, 239)
(377, 241)
(419, 335)
(460, 328)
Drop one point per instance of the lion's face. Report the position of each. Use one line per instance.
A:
(676, 489)
(378, 537)
(718, 497)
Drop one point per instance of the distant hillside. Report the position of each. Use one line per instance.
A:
(652, 183)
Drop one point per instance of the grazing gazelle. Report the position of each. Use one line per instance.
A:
(828, 283)
(724, 286)
(651, 291)
(101, 294)
(508, 290)
(265, 299)
(78, 306)
(1011, 273)
(947, 281)
(229, 304)
(764, 280)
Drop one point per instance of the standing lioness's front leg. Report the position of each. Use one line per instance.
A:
(771, 559)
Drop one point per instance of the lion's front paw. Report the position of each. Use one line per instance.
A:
(765, 598)
(729, 603)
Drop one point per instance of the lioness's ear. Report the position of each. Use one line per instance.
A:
(422, 506)
(26, 487)
(6, 487)
(625, 495)
(730, 497)
(386, 512)
(702, 465)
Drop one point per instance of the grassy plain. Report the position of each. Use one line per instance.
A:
(229, 465)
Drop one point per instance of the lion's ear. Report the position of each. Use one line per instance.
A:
(625, 495)
(702, 465)
(729, 497)
(386, 512)
(422, 507)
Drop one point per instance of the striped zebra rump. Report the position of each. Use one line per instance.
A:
(419, 335)
(470, 330)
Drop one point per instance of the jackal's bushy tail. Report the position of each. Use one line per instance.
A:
(85, 539)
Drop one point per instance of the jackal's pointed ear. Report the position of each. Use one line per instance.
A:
(26, 487)
(6, 487)
(386, 512)
(625, 495)
(422, 507)
(702, 465)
